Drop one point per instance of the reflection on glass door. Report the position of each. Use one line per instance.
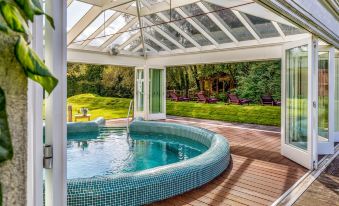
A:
(156, 88)
(323, 96)
(296, 126)
(336, 96)
(140, 90)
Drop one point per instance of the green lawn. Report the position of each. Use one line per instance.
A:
(110, 108)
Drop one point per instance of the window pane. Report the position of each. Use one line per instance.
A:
(187, 28)
(263, 27)
(206, 23)
(111, 29)
(99, 21)
(153, 45)
(297, 96)
(134, 44)
(231, 22)
(123, 38)
(290, 30)
(156, 91)
(160, 38)
(75, 12)
(323, 96)
(169, 30)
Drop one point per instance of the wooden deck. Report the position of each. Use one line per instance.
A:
(324, 190)
(257, 175)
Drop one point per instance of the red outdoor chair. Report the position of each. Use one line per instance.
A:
(236, 100)
(202, 98)
(175, 97)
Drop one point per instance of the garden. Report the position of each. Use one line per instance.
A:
(107, 90)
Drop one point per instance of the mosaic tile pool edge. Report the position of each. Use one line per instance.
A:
(159, 183)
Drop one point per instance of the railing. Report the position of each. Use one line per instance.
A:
(130, 108)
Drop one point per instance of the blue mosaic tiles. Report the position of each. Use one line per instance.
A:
(158, 183)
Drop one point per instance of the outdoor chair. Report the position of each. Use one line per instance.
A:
(236, 100)
(175, 97)
(268, 100)
(202, 98)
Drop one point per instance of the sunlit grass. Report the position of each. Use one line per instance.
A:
(111, 108)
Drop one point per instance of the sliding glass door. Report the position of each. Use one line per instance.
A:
(299, 126)
(156, 91)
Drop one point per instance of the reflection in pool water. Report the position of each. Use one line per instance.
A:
(111, 152)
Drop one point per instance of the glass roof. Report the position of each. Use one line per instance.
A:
(75, 11)
(165, 30)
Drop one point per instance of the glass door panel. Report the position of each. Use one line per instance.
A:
(140, 90)
(299, 100)
(156, 94)
(323, 96)
(296, 129)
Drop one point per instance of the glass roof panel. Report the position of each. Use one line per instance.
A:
(153, 45)
(99, 21)
(151, 31)
(169, 30)
(263, 27)
(187, 27)
(123, 38)
(75, 11)
(206, 23)
(111, 29)
(290, 30)
(152, 2)
(134, 44)
(230, 21)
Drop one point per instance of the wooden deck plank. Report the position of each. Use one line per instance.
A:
(258, 174)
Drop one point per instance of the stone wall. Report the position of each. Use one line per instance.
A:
(14, 83)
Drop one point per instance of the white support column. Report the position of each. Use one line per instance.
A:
(56, 130)
(35, 136)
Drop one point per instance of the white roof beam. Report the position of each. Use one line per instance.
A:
(277, 27)
(246, 24)
(82, 24)
(162, 45)
(130, 40)
(101, 28)
(120, 5)
(163, 6)
(151, 48)
(176, 28)
(119, 33)
(137, 48)
(197, 27)
(164, 34)
(213, 17)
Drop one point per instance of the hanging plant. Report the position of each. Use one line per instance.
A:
(16, 14)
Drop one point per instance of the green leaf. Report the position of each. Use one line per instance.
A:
(50, 20)
(6, 149)
(33, 7)
(13, 17)
(3, 28)
(34, 68)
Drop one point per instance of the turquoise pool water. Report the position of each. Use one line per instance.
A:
(110, 152)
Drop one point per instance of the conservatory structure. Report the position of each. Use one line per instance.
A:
(152, 34)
